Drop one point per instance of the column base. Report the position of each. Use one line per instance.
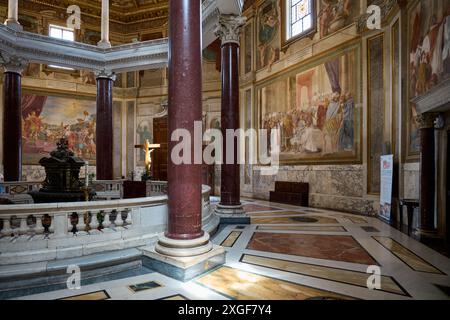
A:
(13, 25)
(183, 248)
(104, 44)
(232, 214)
(184, 268)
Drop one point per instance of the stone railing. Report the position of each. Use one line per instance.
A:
(155, 188)
(108, 189)
(17, 192)
(44, 232)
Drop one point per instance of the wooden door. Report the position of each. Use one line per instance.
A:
(160, 156)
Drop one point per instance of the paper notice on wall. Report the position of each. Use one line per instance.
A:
(387, 174)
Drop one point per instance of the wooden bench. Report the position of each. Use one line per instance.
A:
(296, 193)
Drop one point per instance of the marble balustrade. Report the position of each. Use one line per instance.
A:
(44, 232)
(105, 189)
(157, 187)
(108, 189)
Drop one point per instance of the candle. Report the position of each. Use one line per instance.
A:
(86, 167)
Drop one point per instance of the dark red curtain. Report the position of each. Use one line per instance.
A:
(32, 103)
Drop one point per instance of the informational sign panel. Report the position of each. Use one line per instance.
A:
(387, 175)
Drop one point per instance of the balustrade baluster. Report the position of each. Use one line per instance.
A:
(81, 225)
(23, 229)
(94, 224)
(6, 230)
(39, 228)
(106, 220)
(51, 226)
(118, 222)
(70, 226)
(128, 219)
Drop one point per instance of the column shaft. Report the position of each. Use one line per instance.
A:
(104, 42)
(230, 179)
(427, 180)
(12, 126)
(13, 10)
(185, 107)
(104, 131)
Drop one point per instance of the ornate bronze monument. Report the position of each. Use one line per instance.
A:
(62, 182)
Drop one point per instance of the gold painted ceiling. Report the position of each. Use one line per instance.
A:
(121, 11)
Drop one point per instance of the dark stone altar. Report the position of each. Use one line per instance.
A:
(62, 182)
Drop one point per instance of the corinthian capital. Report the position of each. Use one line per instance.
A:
(13, 63)
(426, 120)
(229, 28)
(106, 74)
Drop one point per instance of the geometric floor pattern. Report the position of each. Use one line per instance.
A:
(290, 252)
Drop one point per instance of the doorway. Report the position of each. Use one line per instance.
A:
(160, 156)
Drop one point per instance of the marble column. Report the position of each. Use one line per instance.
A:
(184, 236)
(13, 15)
(228, 31)
(104, 42)
(104, 126)
(427, 174)
(12, 117)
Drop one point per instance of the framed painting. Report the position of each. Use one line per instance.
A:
(268, 36)
(46, 119)
(429, 57)
(335, 15)
(316, 108)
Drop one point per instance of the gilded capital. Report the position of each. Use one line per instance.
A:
(13, 63)
(229, 27)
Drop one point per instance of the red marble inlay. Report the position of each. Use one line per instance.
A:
(339, 248)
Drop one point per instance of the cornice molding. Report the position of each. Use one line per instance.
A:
(153, 54)
(45, 50)
(437, 99)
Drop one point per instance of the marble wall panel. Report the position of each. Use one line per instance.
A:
(117, 138)
(411, 179)
(339, 187)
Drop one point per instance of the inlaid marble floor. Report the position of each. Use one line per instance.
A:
(297, 253)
